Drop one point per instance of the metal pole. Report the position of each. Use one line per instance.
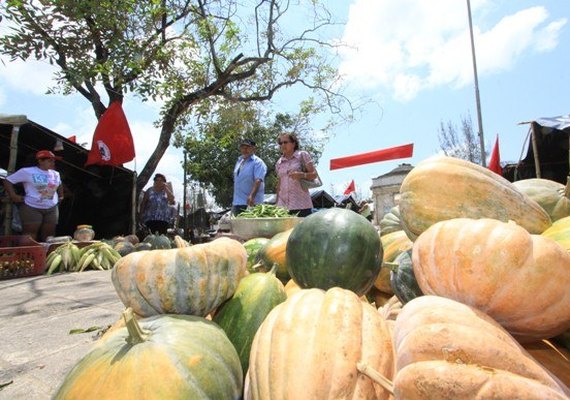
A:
(535, 151)
(134, 202)
(185, 210)
(477, 99)
(11, 168)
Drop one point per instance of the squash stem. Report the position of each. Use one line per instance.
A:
(136, 333)
(392, 266)
(376, 376)
(567, 190)
(273, 269)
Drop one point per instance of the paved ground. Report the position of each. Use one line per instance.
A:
(36, 316)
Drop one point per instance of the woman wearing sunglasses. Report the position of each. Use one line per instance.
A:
(289, 167)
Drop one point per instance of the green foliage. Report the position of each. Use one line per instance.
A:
(213, 145)
(190, 56)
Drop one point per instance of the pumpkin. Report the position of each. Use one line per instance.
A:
(241, 316)
(390, 222)
(402, 278)
(291, 288)
(392, 244)
(552, 196)
(252, 247)
(334, 247)
(274, 253)
(162, 357)
(448, 350)
(190, 280)
(308, 348)
(143, 246)
(158, 241)
(442, 188)
(518, 279)
(124, 247)
(560, 232)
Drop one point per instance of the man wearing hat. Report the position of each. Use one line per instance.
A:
(39, 206)
(249, 178)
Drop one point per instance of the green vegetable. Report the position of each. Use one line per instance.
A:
(264, 211)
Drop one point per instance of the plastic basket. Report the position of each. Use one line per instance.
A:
(21, 256)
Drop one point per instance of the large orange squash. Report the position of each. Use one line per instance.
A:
(308, 348)
(191, 280)
(554, 197)
(520, 280)
(448, 350)
(442, 188)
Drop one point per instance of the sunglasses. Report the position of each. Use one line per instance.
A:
(284, 142)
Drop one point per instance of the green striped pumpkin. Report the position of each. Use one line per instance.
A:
(161, 357)
(256, 295)
(552, 196)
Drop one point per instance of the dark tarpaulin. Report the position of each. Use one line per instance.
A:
(552, 136)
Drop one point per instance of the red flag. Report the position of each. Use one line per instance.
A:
(112, 140)
(380, 155)
(72, 139)
(351, 188)
(495, 161)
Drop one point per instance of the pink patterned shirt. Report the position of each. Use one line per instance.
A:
(291, 195)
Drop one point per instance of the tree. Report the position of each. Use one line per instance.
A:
(213, 148)
(192, 55)
(462, 145)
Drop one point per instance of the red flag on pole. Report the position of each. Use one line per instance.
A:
(112, 140)
(380, 155)
(495, 161)
(351, 188)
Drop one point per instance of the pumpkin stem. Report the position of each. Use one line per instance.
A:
(376, 376)
(567, 190)
(273, 269)
(392, 266)
(136, 333)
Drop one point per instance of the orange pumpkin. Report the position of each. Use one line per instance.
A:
(448, 350)
(190, 280)
(520, 280)
(308, 348)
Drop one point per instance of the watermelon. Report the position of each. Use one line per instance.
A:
(334, 247)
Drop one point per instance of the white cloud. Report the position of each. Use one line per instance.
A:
(30, 76)
(413, 45)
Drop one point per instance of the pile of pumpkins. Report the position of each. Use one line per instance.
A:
(470, 266)
(131, 243)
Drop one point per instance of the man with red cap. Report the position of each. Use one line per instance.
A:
(39, 206)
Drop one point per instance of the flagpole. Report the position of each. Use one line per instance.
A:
(477, 98)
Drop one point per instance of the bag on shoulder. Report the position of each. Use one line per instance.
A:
(309, 183)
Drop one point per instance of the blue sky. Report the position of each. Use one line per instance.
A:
(411, 58)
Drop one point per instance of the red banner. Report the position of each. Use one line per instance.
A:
(112, 141)
(351, 188)
(495, 161)
(374, 156)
